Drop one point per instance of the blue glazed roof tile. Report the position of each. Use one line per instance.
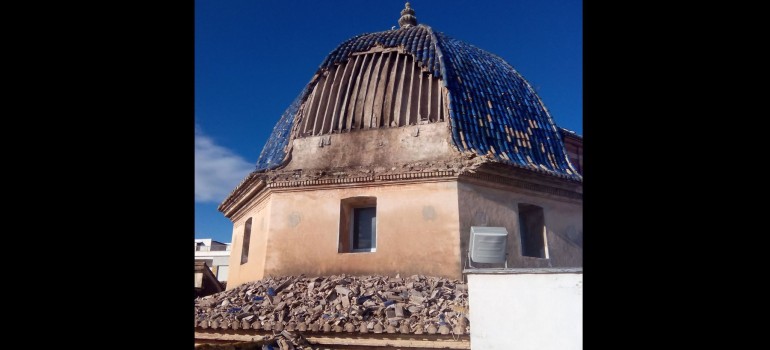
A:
(480, 85)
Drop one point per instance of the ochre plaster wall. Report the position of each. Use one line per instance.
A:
(484, 206)
(417, 233)
(254, 268)
(422, 228)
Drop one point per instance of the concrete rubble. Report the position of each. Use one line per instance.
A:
(353, 304)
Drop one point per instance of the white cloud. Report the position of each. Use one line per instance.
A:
(217, 169)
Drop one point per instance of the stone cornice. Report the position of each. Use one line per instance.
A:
(258, 201)
(363, 179)
(490, 174)
(236, 201)
(319, 182)
(237, 192)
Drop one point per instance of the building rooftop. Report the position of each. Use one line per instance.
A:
(493, 110)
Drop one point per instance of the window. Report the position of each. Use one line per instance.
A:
(246, 239)
(364, 228)
(532, 231)
(358, 225)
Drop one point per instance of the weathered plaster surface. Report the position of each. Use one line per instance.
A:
(373, 147)
(417, 233)
(484, 206)
(254, 268)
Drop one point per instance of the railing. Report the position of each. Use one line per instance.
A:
(216, 248)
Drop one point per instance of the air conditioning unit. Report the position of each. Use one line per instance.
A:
(488, 245)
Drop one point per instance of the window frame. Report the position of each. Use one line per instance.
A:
(352, 231)
(346, 234)
(246, 242)
(525, 209)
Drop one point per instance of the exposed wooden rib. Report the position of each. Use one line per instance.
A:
(377, 49)
(379, 94)
(310, 112)
(441, 107)
(354, 93)
(322, 103)
(429, 99)
(374, 90)
(390, 90)
(408, 93)
(361, 98)
(420, 109)
(400, 106)
(371, 92)
(435, 100)
(413, 97)
(330, 113)
(341, 92)
(403, 97)
(348, 87)
(425, 96)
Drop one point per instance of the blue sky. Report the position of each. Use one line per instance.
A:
(253, 57)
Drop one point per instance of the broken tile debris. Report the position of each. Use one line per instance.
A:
(340, 303)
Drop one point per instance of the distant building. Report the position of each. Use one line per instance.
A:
(216, 255)
(205, 281)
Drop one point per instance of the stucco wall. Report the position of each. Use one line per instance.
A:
(373, 147)
(526, 311)
(254, 268)
(417, 233)
(422, 228)
(484, 206)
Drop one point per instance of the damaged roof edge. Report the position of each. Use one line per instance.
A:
(233, 198)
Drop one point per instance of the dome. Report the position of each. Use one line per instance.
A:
(491, 110)
(402, 142)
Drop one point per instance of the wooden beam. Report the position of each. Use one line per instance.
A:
(442, 109)
(309, 113)
(371, 92)
(377, 49)
(361, 98)
(379, 93)
(429, 115)
(322, 103)
(354, 93)
(398, 109)
(414, 117)
(339, 81)
(348, 88)
(420, 108)
(390, 91)
(408, 113)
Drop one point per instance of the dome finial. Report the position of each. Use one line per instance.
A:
(407, 17)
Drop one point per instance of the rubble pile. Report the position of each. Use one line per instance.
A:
(363, 304)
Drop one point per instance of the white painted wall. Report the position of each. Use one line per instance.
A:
(217, 259)
(526, 311)
(222, 272)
